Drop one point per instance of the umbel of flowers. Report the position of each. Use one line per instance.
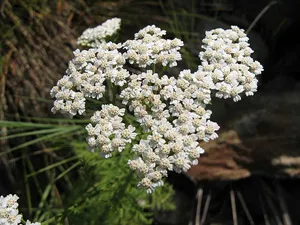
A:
(9, 212)
(170, 114)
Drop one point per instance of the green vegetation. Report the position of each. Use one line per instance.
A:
(66, 182)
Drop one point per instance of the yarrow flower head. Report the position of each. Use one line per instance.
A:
(85, 78)
(9, 212)
(95, 37)
(109, 132)
(149, 47)
(162, 119)
(227, 58)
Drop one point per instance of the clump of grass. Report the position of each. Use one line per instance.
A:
(36, 42)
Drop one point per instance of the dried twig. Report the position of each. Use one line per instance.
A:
(206, 206)
(282, 204)
(233, 207)
(266, 218)
(199, 201)
(271, 204)
(246, 210)
(262, 12)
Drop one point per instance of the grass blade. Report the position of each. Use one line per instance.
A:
(44, 138)
(52, 166)
(36, 132)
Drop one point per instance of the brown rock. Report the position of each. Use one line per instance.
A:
(224, 159)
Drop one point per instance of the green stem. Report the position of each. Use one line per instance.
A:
(153, 68)
(23, 221)
(111, 92)
(164, 68)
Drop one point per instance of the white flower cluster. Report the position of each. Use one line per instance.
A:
(85, 77)
(149, 47)
(95, 37)
(173, 113)
(109, 133)
(227, 59)
(9, 213)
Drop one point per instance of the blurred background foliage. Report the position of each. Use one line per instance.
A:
(248, 179)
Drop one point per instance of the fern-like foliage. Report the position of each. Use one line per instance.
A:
(106, 193)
